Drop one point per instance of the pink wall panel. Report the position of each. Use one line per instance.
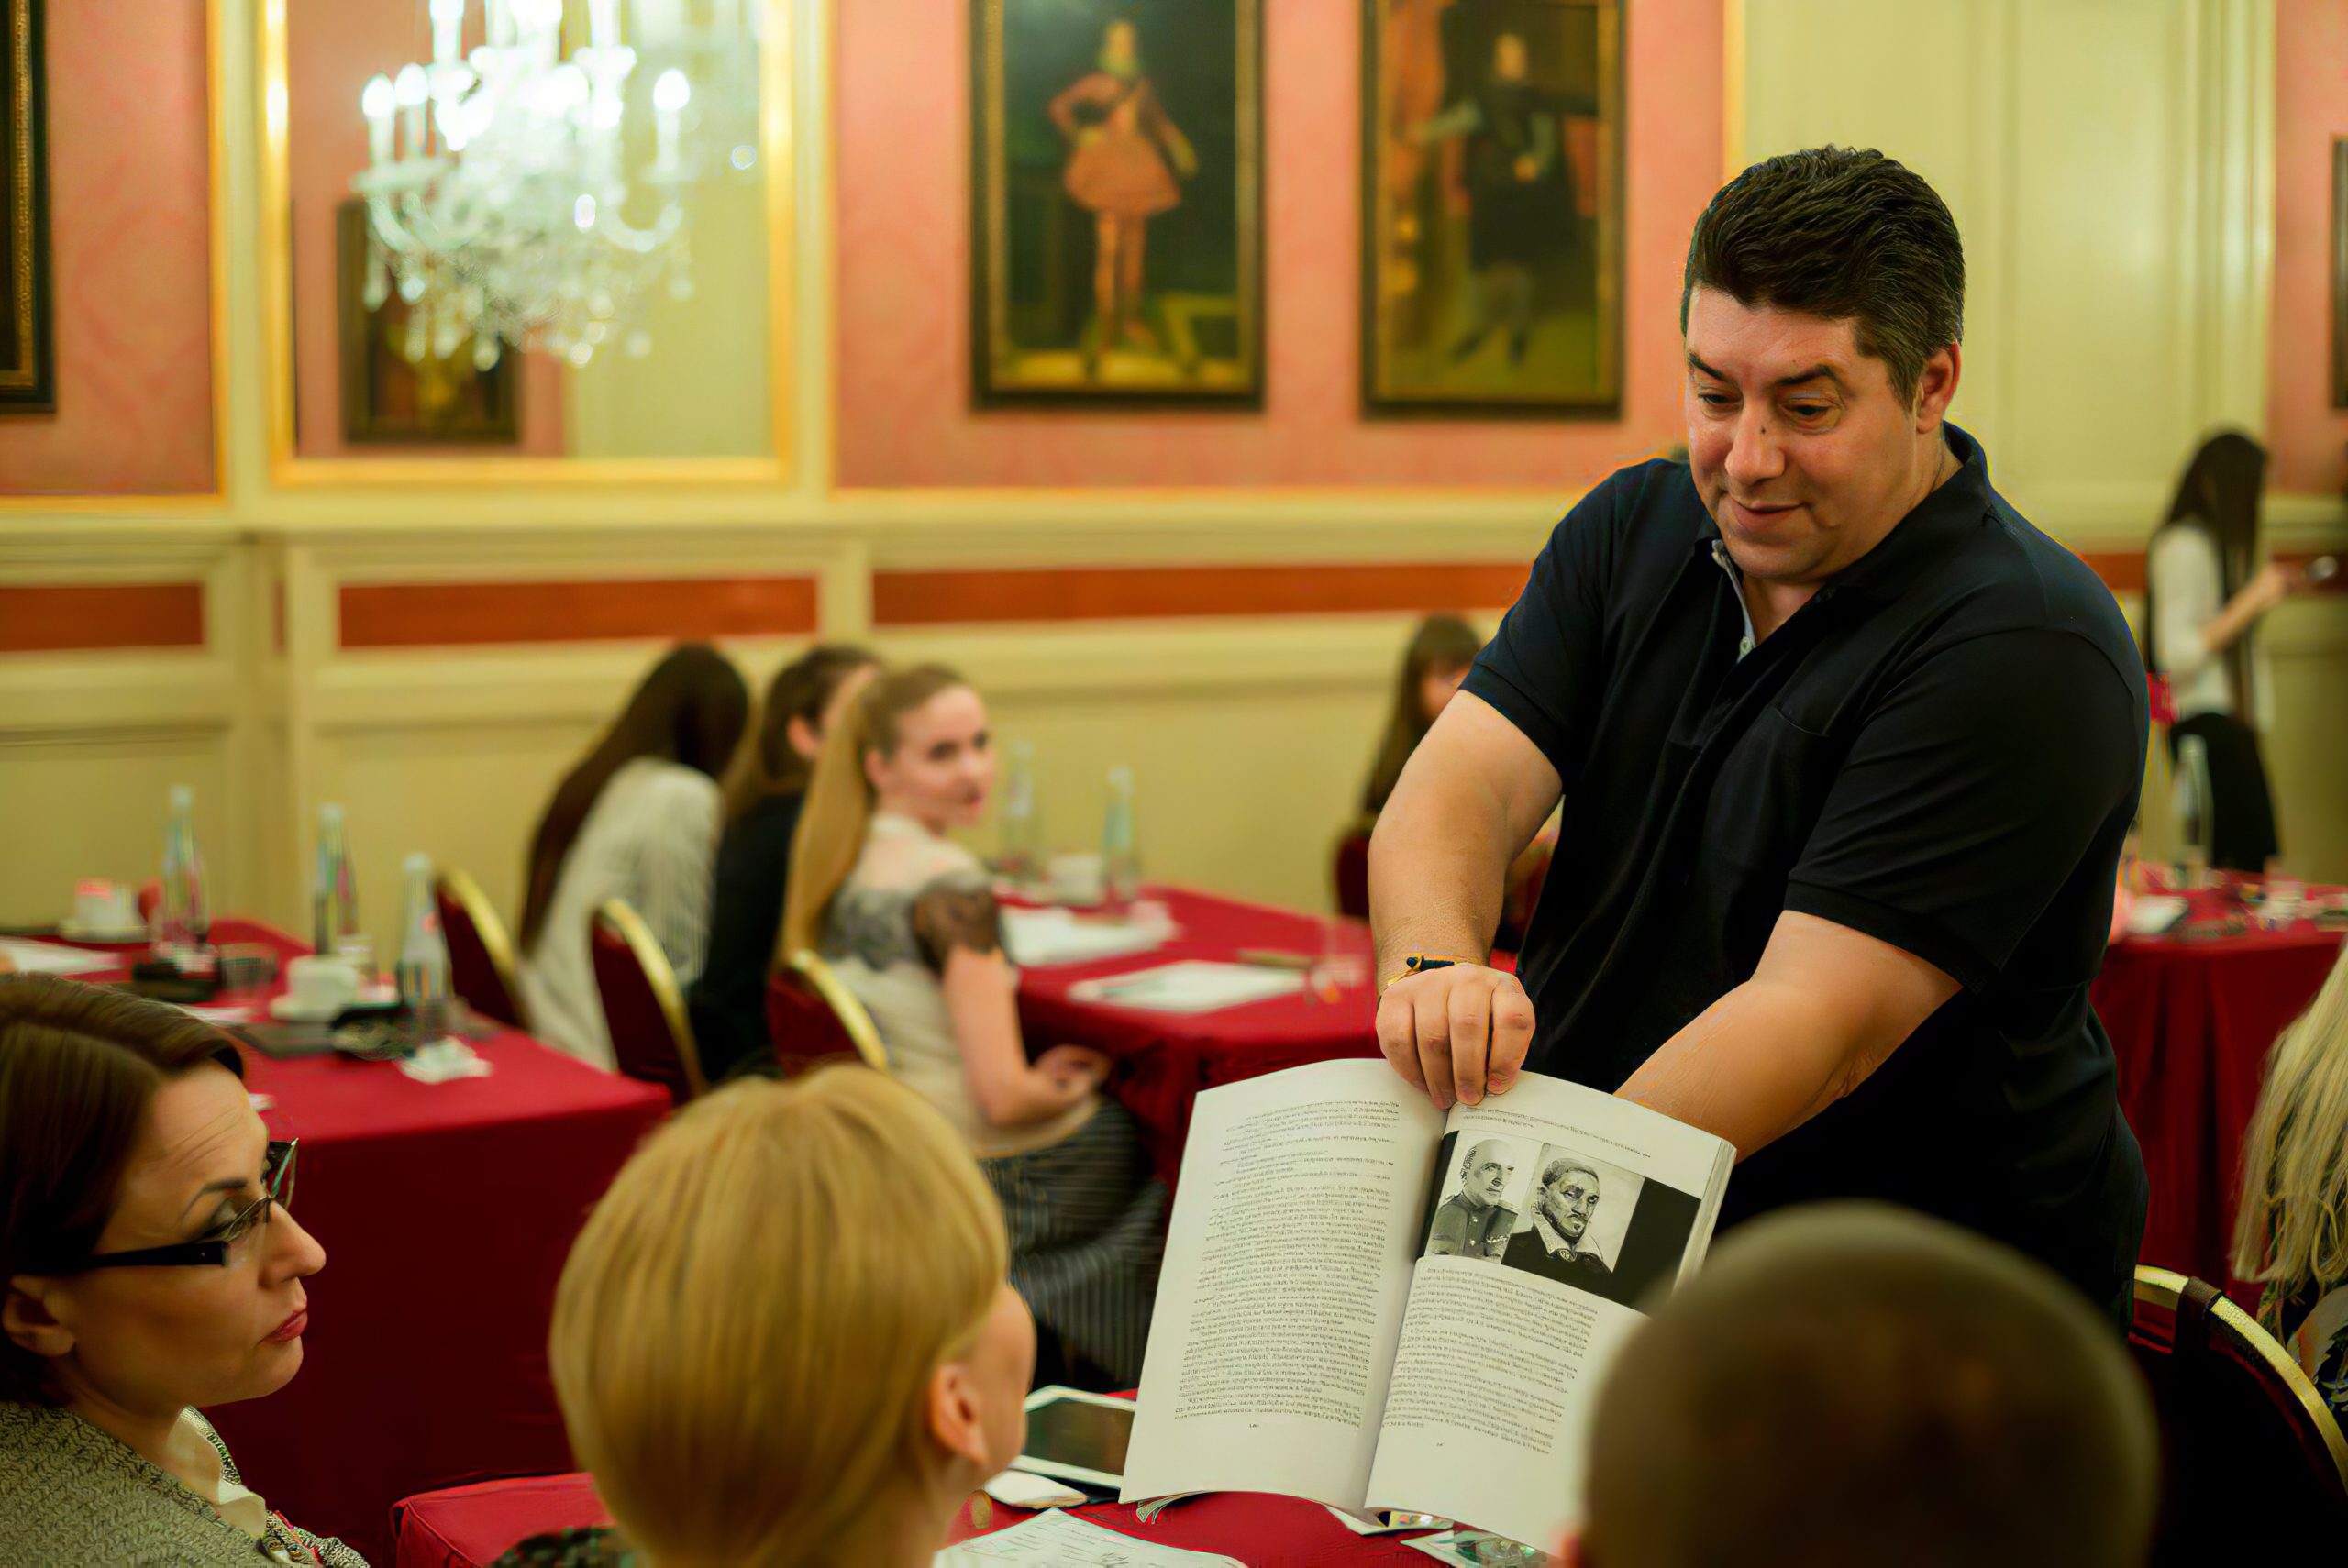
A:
(129, 164)
(332, 47)
(904, 418)
(2309, 435)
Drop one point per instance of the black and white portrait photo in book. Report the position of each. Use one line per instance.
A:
(1597, 1227)
(1474, 1199)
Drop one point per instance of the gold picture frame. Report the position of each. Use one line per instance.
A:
(27, 325)
(1117, 204)
(288, 470)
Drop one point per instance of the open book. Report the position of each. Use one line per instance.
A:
(1371, 1303)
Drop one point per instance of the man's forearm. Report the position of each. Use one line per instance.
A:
(1439, 869)
(1757, 1064)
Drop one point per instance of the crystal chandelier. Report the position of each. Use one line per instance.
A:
(501, 204)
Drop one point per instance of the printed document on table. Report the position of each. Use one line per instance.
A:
(1194, 984)
(1038, 939)
(1062, 1540)
(49, 958)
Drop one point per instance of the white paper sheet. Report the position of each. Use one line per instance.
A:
(1040, 938)
(1062, 1540)
(49, 958)
(1194, 984)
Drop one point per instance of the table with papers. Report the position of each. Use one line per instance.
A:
(1223, 997)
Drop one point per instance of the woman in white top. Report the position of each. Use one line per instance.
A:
(908, 919)
(2291, 1230)
(2201, 598)
(635, 820)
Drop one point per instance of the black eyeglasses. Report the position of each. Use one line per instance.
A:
(211, 1248)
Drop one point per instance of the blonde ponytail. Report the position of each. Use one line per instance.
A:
(832, 824)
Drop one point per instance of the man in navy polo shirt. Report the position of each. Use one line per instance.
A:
(1847, 750)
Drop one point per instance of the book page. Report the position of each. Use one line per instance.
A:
(1551, 1211)
(1287, 1263)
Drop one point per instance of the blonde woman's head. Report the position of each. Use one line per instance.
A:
(2291, 1227)
(786, 1325)
(915, 742)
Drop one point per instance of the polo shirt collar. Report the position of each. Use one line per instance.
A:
(1955, 505)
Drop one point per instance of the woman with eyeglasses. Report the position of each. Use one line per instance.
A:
(149, 1268)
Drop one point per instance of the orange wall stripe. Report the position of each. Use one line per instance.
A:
(59, 617)
(468, 615)
(1121, 593)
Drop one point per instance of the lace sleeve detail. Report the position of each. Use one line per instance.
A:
(955, 913)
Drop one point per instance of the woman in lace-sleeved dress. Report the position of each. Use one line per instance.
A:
(907, 918)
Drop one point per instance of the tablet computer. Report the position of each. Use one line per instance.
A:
(1077, 1437)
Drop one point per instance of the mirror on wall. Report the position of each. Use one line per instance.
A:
(529, 228)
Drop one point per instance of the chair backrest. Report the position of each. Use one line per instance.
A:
(652, 1038)
(1350, 872)
(815, 1017)
(2255, 1465)
(480, 957)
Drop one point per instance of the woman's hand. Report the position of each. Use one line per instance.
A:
(1074, 1065)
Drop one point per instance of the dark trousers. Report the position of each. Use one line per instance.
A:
(2241, 812)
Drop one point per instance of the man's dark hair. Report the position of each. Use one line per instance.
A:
(1848, 1385)
(1843, 234)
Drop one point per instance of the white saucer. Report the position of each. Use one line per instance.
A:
(289, 1010)
(121, 936)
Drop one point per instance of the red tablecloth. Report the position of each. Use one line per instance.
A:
(474, 1525)
(446, 1212)
(2190, 1024)
(1164, 1058)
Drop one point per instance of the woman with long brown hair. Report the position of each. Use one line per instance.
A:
(637, 819)
(2204, 594)
(729, 1000)
(907, 918)
(1433, 664)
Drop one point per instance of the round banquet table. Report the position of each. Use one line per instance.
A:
(2191, 1022)
(446, 1212)
(470, 1527)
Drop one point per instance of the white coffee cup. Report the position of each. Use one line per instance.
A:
(1075, 880)
(101, 905)
(321, 985)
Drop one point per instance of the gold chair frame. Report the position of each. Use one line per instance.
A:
(850, 1011)
(2165, 1287)
(619, 916)
(461, 890)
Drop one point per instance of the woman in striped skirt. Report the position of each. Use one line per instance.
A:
(908, 920)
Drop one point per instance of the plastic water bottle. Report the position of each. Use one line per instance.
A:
(2192, 801)
(1120, 861)
(424, 955)
(1022, 830)
(180, 924)
(334, 887)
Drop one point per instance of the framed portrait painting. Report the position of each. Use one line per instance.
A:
(1117, 211)
(402, 384)
(1492, 207)
(28, 341)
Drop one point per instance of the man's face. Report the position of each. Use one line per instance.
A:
(1508, 58)
(1488, 1168)
(1571, 1200)
(1802, 451)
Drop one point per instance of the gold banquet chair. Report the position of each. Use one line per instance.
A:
(812, 1015)
(2256, 1464)
(652, 1037)
(480, 957)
